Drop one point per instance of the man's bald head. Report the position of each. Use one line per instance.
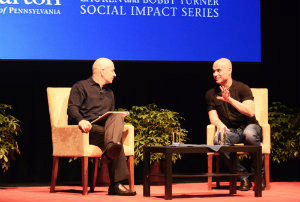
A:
(222, 70)
(103, 71)
(100, 64)
(224, 63)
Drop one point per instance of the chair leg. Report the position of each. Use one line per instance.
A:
(84, 170)
(130, 164)
(54, 173)
(209, 171)
(96, 160)
(267, 171)
(218, 170)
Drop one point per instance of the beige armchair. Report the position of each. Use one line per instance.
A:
(69, 141)
(261, 112)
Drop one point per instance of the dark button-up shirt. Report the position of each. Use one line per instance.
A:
(88, 100)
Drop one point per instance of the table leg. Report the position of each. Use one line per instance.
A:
(233, 161)
(258, 174)
(146, 172)
(168, 177)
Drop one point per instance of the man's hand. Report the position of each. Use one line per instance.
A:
(246, 107)
(214, 119)
(85, 126)
(222, 127)
(225, 94)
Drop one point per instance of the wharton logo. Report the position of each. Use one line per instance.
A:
(30, 7)
(34, 2)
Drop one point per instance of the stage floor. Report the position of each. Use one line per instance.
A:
(279, 192)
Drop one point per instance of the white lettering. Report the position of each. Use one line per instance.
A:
(34, 11)
(36, 2)
(200, 12)
(158, 1)
(9, 2)
(153, 11)
(83, 10)
(102, 10)
(216, 12)
(131, 1)
(33, 1)
(200, 2)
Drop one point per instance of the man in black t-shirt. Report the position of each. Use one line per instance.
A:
(89, 99)
(231, 110)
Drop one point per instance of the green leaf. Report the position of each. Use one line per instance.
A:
(285, 127)
(153, 126)
(9, 129)
(5, 158)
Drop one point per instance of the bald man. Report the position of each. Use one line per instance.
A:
(88, 100)
(231, 109)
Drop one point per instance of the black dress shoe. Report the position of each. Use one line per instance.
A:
(245, 185)
(112, 151)
(119, 189)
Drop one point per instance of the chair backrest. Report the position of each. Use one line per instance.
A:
(261, 104)
(58, 104)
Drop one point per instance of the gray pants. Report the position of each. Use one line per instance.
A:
(250, 135)
(111, 131)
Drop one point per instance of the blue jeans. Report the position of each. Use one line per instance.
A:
(250, 135)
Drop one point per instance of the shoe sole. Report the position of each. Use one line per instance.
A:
(244, 189)
(129, 194)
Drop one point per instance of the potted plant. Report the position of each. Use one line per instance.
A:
(285, 127)
(9, 130)
(153, 126)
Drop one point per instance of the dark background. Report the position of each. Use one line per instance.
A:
(178, 86)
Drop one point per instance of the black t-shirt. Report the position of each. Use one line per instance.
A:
(230, 116)
(88, 100)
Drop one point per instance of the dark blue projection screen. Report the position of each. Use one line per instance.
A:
(150, 30)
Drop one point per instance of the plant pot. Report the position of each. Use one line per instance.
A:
(103, 176)
(155, 168)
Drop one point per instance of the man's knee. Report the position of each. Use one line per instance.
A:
(117, 118)
(114, 127)
(252, 134)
